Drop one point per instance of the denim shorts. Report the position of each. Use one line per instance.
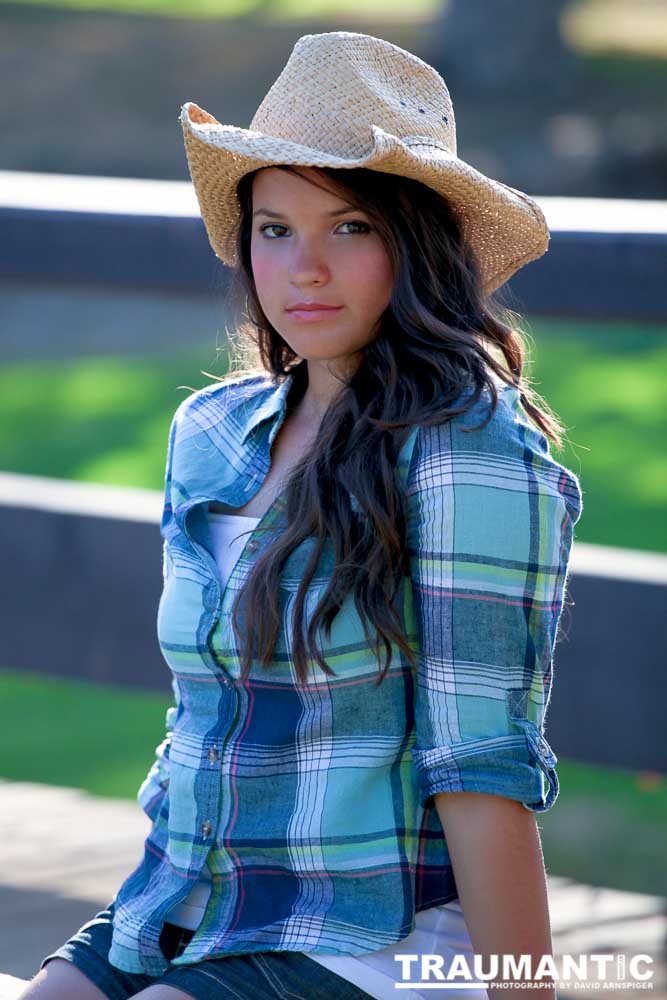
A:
(268, 975)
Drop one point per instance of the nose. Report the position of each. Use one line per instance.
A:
(307, 264)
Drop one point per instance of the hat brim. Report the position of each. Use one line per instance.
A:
(504, 227)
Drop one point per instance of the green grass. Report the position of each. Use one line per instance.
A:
(97, 737)
(101, 739)
(599, 812)
(106, 419)
(608, 383)
(96, 419)
(269, 9)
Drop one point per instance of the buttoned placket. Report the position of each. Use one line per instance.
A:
(214, 601)
(252, 544)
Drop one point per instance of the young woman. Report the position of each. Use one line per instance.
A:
(366, 545)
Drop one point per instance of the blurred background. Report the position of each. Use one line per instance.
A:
(112, 309)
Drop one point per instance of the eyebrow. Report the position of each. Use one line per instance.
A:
(278, 215)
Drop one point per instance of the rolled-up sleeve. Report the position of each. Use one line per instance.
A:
(490, 529)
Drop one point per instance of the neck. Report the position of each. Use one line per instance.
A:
(325, 381)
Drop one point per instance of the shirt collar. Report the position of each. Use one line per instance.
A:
(274, 402)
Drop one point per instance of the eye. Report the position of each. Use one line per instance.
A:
(272, 225)
(277, 225)
(357, 222)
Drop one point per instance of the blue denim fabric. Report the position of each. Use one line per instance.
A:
(271, 975)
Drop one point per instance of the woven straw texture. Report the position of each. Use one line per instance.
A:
(349, 100)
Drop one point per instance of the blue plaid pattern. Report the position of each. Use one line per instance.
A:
(312, 804)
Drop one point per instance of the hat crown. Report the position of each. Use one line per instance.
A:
(337, 85)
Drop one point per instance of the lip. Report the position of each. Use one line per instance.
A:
(311, 305)
(314, 313)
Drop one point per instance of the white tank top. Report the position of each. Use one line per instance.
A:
(440, 930)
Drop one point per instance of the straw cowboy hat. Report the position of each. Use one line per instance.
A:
(349, 100)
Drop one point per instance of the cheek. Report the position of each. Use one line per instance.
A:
(263, 271)
(370, 275)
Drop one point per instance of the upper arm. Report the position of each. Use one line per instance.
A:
(490, 528)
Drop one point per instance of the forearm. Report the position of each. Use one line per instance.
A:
(494, 844)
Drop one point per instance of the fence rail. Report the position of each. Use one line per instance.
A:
(86, 578)
(606, 258)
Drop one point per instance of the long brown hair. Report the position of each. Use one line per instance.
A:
(438, 335)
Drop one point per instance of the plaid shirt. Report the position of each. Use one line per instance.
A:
(313, 804)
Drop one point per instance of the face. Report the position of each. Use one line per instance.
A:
(308, 245)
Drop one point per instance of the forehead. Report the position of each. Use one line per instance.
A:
(287, 184)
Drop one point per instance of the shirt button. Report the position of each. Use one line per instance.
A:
(206, 828)
(212, 755)
(252, 545)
